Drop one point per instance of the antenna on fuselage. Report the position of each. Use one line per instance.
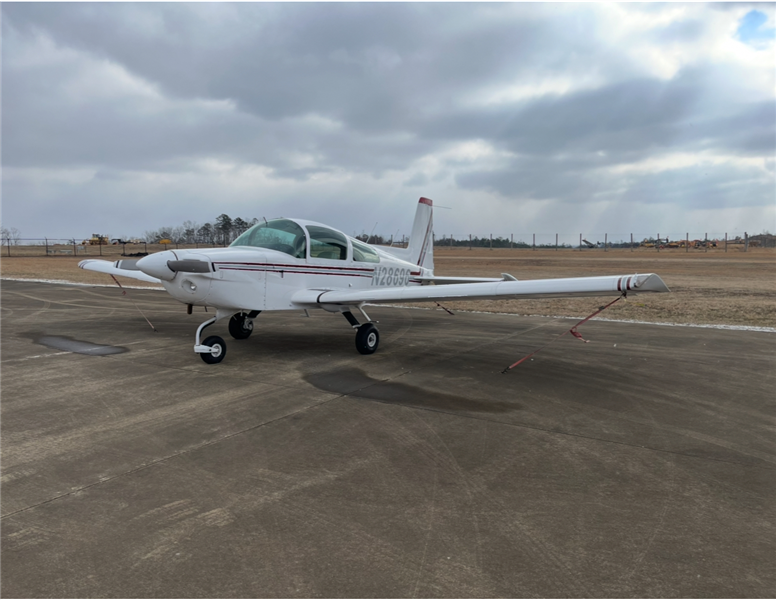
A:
(370, 235)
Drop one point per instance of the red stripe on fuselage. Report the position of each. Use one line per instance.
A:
(293, 266)
(294, 272)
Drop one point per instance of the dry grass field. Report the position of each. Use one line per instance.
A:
(714, 287)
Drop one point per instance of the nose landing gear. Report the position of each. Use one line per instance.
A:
(217, 350)
(213, 349)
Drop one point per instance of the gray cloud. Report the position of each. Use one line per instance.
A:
(352, 94)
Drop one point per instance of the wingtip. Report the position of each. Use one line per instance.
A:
(651, 283)
(425, 201)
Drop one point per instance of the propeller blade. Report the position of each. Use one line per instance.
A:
(189, 266)
(128, 264)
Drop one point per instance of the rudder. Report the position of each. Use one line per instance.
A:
(421, 245)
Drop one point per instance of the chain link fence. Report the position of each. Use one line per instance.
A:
(658, 241)
(687, 241)
(32, 247)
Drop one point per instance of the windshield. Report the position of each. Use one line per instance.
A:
(278, 234)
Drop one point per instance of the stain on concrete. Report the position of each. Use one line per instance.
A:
(357, 384)
(67, 344)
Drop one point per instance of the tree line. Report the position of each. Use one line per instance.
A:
(224, 230)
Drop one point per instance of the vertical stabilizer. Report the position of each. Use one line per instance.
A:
(420, 250)
(421, 246)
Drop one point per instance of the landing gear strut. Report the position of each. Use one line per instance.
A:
(367, 335)
(213, 349)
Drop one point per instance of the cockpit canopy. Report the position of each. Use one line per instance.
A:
(282, 235)
(287, 236)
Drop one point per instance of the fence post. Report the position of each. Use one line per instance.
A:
(99, 240)
(726, 241)
(705, 242)
(746, 242)
(8, 244)
(606, 241)
(511, 241)
(470, 241)
(556, 241)
(534, 241)
(631, 242)
(491, 241)
(46, 246)
(687, 243)
(658, 243)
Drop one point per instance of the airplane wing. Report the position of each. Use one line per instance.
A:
(124, 268)
(436, 280)
(611, 285)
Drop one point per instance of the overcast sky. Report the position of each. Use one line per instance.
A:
(568, 118)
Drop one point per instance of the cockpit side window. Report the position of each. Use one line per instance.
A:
(327, 243)
(363, 253)
(278, 234)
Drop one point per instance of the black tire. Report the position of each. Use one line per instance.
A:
(367, 339)
(240, 326)
(216, 343)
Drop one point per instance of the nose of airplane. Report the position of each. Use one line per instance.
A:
(155, 265)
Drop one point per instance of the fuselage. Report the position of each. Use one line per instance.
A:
(269, 263)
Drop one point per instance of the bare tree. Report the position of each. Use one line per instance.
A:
(10, 235)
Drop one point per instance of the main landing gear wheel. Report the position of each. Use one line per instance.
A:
(240, 326)
(218, 350)
(367, 338)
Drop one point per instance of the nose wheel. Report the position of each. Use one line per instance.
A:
(217, 350)
(213, 349)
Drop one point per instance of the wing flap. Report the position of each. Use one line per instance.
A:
(454, 280)
(611, 285)
(124, 268)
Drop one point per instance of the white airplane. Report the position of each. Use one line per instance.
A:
(293, 264)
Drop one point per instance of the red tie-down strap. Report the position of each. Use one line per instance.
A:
(573, 331)
(124, 293)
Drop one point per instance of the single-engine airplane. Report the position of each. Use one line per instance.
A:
(294, 264)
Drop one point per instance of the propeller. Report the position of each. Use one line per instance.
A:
(189, 266)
